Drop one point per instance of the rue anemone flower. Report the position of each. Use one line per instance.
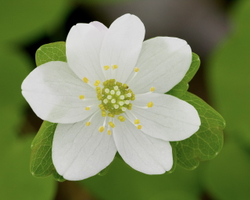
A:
(109, 97)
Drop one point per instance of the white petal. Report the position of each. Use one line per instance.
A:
(163, 63)
(99, 26)
(122, 45)
(80, 151)
(53, 91)
(170, 118)
(83, 46)
(140, 151)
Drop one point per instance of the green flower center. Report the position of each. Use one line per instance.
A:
(115, 98)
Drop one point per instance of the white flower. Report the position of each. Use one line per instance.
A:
(109, 97)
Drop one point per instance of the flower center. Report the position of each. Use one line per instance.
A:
(115, 98)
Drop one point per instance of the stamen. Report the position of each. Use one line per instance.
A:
(101, 129)
(109, 132)
(137, 121)
(97, 82)
(85, 80)
(81, 97)
(131, 116)
(121, 118)
(88, 123)
(101, 107)
(87, 108)
(129, 106)
(106, 67)
(125, 85)
(150, 104)
(110, 115)
(114, 67)
(112, 124)
(152, 89)
(104, 114)
(99, 93)
(136, 69)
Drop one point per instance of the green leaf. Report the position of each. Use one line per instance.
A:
(182, 87)
(51, 52)
(41, 161)
(58, 177)
(207, 141)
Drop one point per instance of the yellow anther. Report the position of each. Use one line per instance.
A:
(129, 106)
(97, 82)
(114, 67)
(106, 67)
(98, 89)
(111, 124)
(104, 113)
(88, 123)
(125, 86)
(101, 129)
(136, 69)
(101, 107)
(109, 132)
(99, 97)
(121, 118)
(137, 121)
(87, 108)
(85, 80)
(152, 89)
(139, 126)
(150, 104)
(110, 115)
(81, 97)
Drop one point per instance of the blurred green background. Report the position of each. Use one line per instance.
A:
(217, 30)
